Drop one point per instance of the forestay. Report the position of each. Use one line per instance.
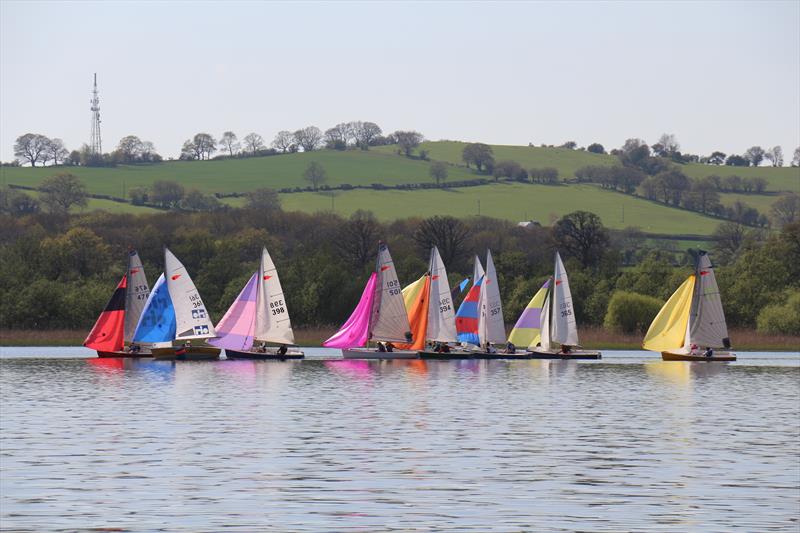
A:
(191, 315)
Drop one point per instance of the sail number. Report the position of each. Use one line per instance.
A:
(141, 292)
(277, 307)
(444, 305)
(566, 309)
(195, 300)
(393, 287)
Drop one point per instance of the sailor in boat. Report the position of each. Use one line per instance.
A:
(693, 349)
(490, 348)
(381, 347)
(389, 346)
(510, 348)
(282, 350)
(181, 350)
(262, 348)
(709, 352)
(565, 349)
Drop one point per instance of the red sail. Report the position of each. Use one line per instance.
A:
(107, 333)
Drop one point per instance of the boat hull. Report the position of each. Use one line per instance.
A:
(722, 356)
(448, 356)
(372, 353)
(193, 353)
(573, 354)
(270, 355)
(123, 353)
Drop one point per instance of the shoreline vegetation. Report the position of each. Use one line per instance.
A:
(744, 340)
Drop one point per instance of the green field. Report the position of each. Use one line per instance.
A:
(762, 202)
(510, 201)
(779, 179)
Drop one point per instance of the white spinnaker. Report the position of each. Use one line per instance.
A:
(477, 270)
(491, 327)
(441, 317)
(389, 320)
(272, 315)
(544, 341)
(135, 295)
(707, 325)
(191, 315)
(565, 330)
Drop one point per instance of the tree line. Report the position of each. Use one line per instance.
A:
(59, 269)
(37, 149)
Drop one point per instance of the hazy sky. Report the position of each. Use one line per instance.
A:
(719, 75)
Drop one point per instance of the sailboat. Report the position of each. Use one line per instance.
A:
(258, 315)
(380, 316)
(468, 314)
(176, 312)
(112, 334)
(692, 321)
(552, 305)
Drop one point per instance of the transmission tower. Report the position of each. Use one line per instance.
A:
(95, 145)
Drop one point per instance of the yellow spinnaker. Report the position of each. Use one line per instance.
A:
(668, 330)
(527, 331)
(411, 291)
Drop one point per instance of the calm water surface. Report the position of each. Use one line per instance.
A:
(626, 443)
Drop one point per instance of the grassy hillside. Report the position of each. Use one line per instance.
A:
(780, 179)
(510, 201)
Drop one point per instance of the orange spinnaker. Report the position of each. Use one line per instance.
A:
(418, 318)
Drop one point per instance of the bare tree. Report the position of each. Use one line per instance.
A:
(62, 191)
(230, 142)
(365, 133)
(283, 141)
(755, 154)
(438, 171)
(57, 151)
(408, 140)
(339, 135)
(263, 199)
(253, 142)
(357, 238)
(31, 148)
(667, 145)
(446, 233)
(775, 156)
(130, 148)
(308, 138)
(786, 209)
(315, 174)
(206, 145)
(796, 158)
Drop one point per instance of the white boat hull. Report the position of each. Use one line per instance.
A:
(373, 353)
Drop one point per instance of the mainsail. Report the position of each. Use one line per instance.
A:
(354, 332)
(565, 330)
(272, 323)
(389, 320)
(157, 323)
(135, 295)
(107, 333)
(707, 325)
(191, 315)
(235, 330)
(668, 330)
(527, 330)
(491, 327)
(441, 318)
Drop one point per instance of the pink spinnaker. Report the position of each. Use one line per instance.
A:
(235, 330)
(355, 331)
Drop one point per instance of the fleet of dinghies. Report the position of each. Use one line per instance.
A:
(170, 321)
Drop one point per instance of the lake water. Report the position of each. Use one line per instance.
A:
(626, 443)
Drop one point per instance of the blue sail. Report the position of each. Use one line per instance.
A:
(157, 323)
(467, 315)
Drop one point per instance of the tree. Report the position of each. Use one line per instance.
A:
(57, 151)
(728, 239)
(230, 142)
(31, 148)
(357, 238)
(596, 148)
(138, 195)
(438, 171)
(308, 138)
(755, 154)
(130, 149)
(734, 160)
(448, 234)
(283, 141)
(582, 235)
(408, 140)
(194, 200)
(786, 209)
(167, 193)
(507, 169)
(716, 158)
(253, 142)
(569, 145)
(732, 183)
(205, 145)
(703, 196)
(17, 203)
(315, 174)
(775, 156)
(796, 157)
(666, 146)
(544, 175)
(364, 133)
(263, 199)
(62, 191)
(478, 154)
(337, 137)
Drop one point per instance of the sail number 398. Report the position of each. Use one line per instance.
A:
(277, 307)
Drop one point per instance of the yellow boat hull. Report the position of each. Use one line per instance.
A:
(720, 356)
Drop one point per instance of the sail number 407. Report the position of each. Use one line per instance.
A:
(277, 307)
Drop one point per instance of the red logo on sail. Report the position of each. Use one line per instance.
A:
(266, 277)
(384, 268)
(176, 276)
(134, 271)
(703, 272)
(435, 277)
(558, 282)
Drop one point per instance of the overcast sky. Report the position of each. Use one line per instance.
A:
(719, 75)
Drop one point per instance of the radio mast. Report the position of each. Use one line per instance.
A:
(95, 145)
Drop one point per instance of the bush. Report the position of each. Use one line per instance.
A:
(781, 319)
(630, 312)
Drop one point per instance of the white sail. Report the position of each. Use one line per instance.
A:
(191, 315)
(135, 295)
(707, 325)
(477, 270)
(544, 341)
(389, 319)
(491, 327)
(441, 317)
(272, 315)
(565, 330)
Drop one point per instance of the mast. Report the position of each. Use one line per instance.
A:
(95, 144)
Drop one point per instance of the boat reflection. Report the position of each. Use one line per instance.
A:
(683, 372)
